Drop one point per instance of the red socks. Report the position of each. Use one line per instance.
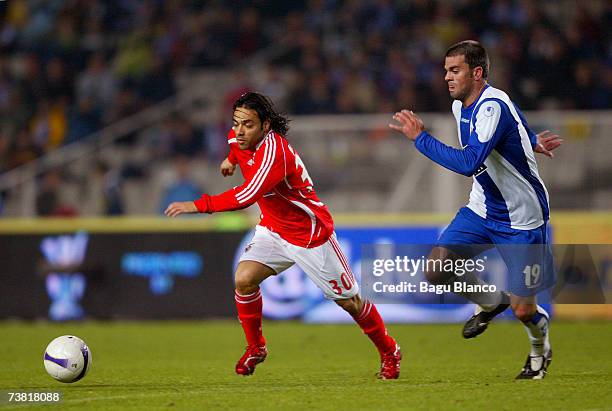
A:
(249, 314)
(372, 324)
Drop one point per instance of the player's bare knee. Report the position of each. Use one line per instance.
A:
(245, 282)
(249, 275)
(524, 312)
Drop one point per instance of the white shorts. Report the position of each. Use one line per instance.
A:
(325, 265)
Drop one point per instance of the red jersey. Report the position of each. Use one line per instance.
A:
(277, 180)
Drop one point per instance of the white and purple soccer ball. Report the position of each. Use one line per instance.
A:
(67, 358)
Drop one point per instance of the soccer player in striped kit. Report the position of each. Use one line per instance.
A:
(508, 205)
(295, 228)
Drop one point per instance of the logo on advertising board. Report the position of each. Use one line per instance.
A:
(65, 287)
(161, 268)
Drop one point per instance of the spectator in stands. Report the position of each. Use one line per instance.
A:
(22, 150)
(158, 84)
(49, 126)
(84, 119)
(47, 197)
(350, 54)
(5, 142)
(183, 188)
(214, 137)
(69, 68)
(187, 140)
(96, 83)
(112, 183)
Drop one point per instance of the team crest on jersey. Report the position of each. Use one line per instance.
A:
(489, 111)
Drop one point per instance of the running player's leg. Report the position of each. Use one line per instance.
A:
(536, 322)
(249, 274)
(369, 320)
(328, 268)
(529, 260)
(262, 258)
(465, 237)
(488, 301)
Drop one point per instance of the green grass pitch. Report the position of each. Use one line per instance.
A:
(189, 365)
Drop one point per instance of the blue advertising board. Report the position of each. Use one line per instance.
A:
(291, 295)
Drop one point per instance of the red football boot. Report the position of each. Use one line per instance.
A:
(390, 364)
(251, 357)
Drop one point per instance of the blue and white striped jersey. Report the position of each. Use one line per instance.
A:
(497, 150)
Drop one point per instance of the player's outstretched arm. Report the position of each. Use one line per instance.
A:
(180, 207)
(227, 168)
(413, 127)
(547, 142)
(465, 161)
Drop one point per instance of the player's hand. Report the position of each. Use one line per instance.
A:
(547, 142)
(410, 124)
(227, 168)
(180, 207)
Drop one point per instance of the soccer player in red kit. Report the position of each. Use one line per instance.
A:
(295, 228)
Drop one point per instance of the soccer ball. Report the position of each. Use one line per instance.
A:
(67, 358)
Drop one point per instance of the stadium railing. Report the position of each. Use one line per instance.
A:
(357, 163)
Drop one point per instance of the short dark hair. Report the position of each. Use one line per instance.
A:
(475, 54)
(265, 111)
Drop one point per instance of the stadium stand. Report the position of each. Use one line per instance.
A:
(69, 69)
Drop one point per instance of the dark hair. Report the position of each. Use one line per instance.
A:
(475, 54)
(265, 111)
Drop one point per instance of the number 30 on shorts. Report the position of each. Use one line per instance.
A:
(347, 283)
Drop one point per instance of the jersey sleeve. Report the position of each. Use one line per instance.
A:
(231, 138)
(270, 171)
(487, 132)
(231, 157)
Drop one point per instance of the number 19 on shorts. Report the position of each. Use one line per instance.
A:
(532, 275)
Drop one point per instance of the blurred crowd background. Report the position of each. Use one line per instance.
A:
(69, 68)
